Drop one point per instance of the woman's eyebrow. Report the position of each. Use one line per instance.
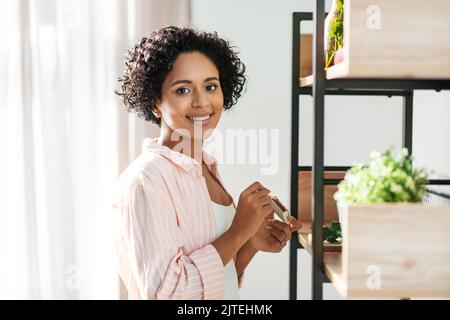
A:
(189, 81)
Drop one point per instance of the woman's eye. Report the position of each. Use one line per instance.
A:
(182, 90)
(211, 87)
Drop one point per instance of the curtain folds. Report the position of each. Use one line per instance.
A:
(64, 139)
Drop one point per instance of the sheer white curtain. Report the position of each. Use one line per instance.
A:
(64, 138)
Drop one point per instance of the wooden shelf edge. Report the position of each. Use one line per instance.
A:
(332, 261)
(341, 71)
(338, 71)
(333, 270)
(306, 81)
(303, 236)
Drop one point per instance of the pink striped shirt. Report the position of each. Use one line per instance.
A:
(165, 227)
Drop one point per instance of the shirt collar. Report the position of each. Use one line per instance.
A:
(183, 161)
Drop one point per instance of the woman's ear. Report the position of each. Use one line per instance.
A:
(156, 111)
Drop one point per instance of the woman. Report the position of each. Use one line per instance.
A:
(180, 234)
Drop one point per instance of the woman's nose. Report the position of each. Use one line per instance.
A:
(199, 99)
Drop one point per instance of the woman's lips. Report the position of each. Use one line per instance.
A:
(200, 121)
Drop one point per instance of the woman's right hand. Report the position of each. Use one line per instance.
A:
(253, 206)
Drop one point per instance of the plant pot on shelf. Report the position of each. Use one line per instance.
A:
(405, 246)
(387, 179)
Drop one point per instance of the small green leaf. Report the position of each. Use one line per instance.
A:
(333, 233)
(335, 226)
(326, 233)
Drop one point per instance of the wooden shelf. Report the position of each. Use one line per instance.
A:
(404, 246)
(408, 245)
(306, 81)
(389, 48)
(332, 260)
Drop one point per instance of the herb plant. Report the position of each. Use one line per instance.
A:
(386, 179)
(336, 34)
(333, 233)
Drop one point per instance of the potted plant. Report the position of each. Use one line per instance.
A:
(334, 34)
(388, 178)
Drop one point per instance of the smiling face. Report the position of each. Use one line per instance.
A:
(191, 97)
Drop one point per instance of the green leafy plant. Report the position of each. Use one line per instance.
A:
(387, 178)
(333, 233)
(336, 34)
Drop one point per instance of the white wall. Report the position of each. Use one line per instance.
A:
(261, 29)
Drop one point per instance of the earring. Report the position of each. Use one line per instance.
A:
(156, 113)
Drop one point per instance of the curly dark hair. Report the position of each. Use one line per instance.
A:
(149, 62)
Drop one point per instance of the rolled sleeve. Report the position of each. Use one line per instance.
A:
(212, 272)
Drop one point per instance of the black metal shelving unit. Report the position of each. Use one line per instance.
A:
(321, 87)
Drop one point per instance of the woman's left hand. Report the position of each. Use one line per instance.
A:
(273, 235)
